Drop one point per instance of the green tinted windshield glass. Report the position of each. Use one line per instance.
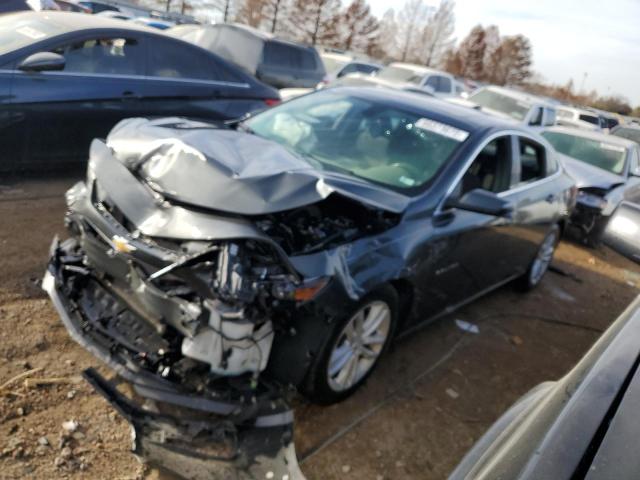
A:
(501, 103)
(606, 156)
(17, 31)
(628, 133)
(361, 138)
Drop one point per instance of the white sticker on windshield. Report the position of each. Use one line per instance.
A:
(31, 33)
(442, 129)
(613, 148)
(409, 182)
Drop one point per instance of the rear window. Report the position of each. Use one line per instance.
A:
(17, 32)
(283, 55)
(593, 120)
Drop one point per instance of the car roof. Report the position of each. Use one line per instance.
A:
(420, 69)
(71, 21)
(579, 110)
(593, 135)
(461, 117)
(519, 95)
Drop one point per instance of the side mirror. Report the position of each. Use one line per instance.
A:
(41, 62)
(481, 201)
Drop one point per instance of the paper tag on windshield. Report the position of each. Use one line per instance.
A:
(31, 33)
(613, 148)
(442, 129)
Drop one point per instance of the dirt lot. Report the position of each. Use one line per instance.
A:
(432, 397)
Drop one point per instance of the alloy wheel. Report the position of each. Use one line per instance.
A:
(359, 345)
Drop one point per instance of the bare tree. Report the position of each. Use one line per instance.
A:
(315, 21)
(437, 34)
(410, 20)
(386, 46)
(252, 13)
(511, 61)
(276, 13)
(471, 54)
(357, 28)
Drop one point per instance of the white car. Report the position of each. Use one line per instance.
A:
(579, 118)
(514, 105)
(407, 76)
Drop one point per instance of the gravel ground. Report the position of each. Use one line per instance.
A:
(433, 395)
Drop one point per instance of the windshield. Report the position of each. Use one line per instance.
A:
(360, 137)
(17, 32)
(399, 74)
(603, 155)
(628, 133)
(333, 64)
(501, 103)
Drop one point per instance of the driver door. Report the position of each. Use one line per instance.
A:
(472, 252)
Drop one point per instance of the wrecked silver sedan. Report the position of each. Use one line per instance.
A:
(607, 172)
(212, 267)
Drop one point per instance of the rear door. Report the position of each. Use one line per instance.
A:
(62, 111)
(185, 80)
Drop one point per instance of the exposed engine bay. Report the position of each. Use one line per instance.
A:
(324, 225)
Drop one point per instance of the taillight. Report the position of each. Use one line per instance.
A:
(272, 101)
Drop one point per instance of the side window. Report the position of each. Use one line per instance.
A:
(439, 84)
(532, 161)
(119, 56)
(536, 118)
(366, 68)
(173, 59)
(445, 84)
(350, 68)
(283, 55)
(549, 116)
(491, 169)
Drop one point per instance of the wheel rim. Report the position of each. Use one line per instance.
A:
(359, 345)
(543, 258)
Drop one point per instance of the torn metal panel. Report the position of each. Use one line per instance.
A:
(623, 230)
(204, 448)
(232, 171)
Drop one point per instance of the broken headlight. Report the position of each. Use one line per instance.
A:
(591, 200)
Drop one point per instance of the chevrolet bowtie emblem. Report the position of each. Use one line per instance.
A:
(121, 244)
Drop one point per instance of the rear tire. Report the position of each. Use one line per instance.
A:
(540, 264)
(352, 350)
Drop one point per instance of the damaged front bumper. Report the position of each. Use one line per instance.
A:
(212, 435)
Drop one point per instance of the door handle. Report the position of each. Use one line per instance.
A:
(550, 198)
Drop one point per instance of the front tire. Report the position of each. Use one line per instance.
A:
(352, 350)
(540, 264)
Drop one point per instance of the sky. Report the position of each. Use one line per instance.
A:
(569, 37)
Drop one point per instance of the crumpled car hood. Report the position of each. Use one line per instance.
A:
(587, 175)
(232, 171)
